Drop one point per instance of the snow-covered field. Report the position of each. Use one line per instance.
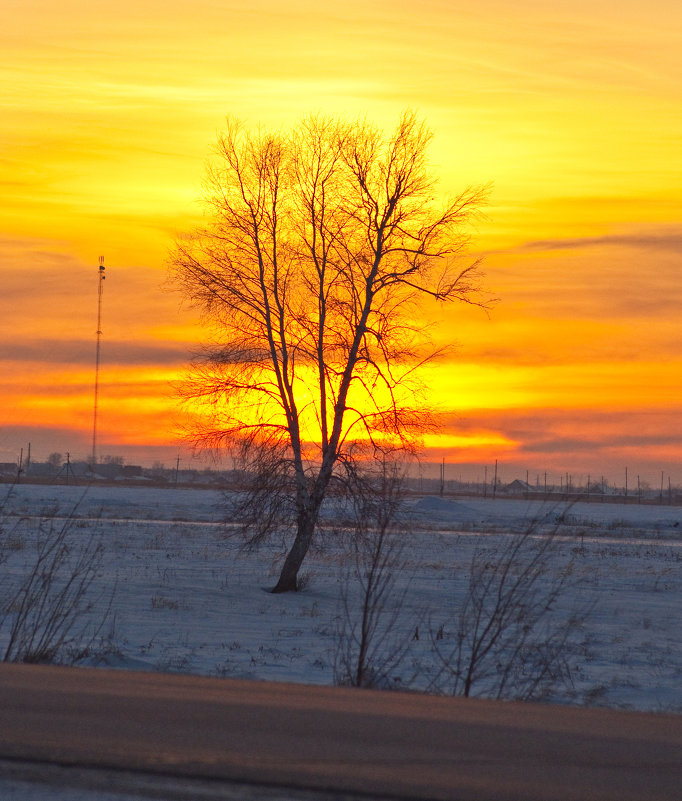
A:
(185, 597)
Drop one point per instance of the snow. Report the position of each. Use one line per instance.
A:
(186, 597)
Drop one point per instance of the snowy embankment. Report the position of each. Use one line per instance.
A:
(185, 597)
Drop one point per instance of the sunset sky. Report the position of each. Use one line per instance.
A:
(573, 111)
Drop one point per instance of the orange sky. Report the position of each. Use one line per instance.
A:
(572, 110)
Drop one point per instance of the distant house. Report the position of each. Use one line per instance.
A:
(596, 488)
(131, 471)
(81, 470)
(519, 487)
(108, 470)
(42, 470)
(9, 469)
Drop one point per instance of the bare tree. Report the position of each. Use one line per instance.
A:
(55, 460)
(319, 244)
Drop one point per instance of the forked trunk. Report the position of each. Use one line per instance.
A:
(308, 511)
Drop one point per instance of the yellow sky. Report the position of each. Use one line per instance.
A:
(572, 110)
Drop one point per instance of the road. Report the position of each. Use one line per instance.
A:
(328, 739)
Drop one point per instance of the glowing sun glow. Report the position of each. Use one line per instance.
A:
(573, 111)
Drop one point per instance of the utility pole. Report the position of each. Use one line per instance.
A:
(100, 288)
(66, 467)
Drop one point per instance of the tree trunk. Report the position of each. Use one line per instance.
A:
(288, 577)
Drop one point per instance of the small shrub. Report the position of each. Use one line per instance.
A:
(161, 602)
(510, 640)
(47, 614)
(369, 649)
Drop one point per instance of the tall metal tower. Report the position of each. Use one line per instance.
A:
(100, 288)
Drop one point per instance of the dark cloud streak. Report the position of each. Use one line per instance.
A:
(666, 242)
(553, 431)
(82, 352)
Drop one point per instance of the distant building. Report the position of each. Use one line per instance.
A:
(108, 470)
(519, 487)
(42, 470)
(131, 471)
(596, 488)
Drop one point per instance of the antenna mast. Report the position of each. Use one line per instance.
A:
(100, 287)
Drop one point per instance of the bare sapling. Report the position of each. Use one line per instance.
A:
(48, 611)
(512, 639)
(372, 638)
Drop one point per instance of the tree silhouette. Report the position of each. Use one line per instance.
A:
(318, 245)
